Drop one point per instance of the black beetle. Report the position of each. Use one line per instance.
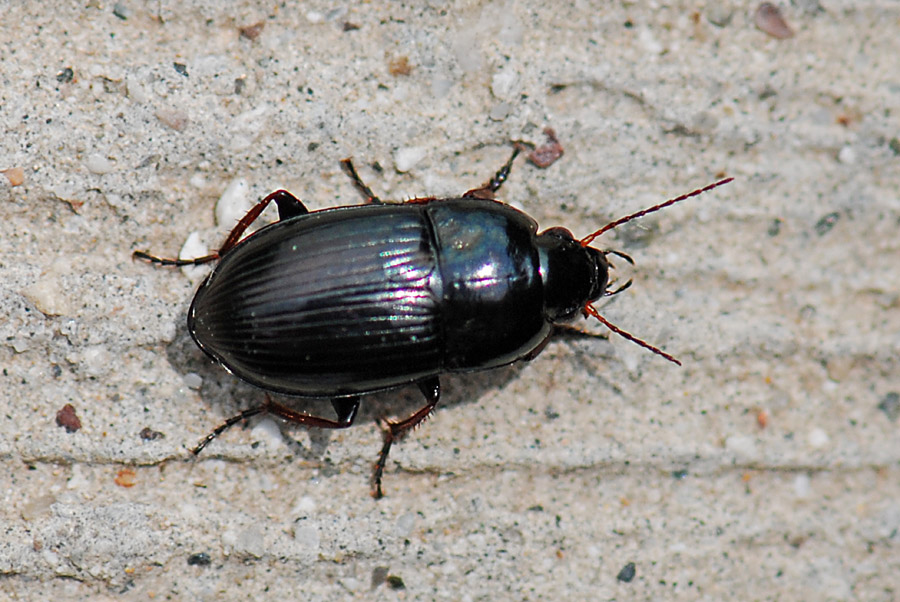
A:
(348, 301)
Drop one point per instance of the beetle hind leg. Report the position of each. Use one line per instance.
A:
(394, 431)
(227, 425)
(346, 409)
(288, 206)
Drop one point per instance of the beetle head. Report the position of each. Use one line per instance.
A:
(573, 274)
(573, 281)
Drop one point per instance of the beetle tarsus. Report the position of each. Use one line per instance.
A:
(227, 425)
(567, 331)
(377, 473)
(364, 191)
(174, 262)
(393, 431)
(490, 187)
(618, 290)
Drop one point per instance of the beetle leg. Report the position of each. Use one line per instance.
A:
(365, 191)
(288, 206)
(540, 346)
(393, 431)
(618, 290)
(174, 262)
(487, 191)
(225, 426)
(346, 408)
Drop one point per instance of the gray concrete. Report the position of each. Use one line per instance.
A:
(779, 293)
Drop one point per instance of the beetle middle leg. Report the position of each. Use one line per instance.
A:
(346, 409)
(394, 431)
(288, 206)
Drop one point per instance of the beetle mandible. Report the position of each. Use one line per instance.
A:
(347, 301)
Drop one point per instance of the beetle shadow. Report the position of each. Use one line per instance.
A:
(228, 396)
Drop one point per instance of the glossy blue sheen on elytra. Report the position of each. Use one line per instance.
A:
(357, 299)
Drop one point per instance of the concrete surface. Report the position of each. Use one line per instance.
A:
(766, 468)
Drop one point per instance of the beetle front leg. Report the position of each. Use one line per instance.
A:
(288, 206)
(393, 431)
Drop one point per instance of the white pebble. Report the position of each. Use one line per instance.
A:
(649, 42)
(95, 361)
(48, 295)
(405, 524)
(467, 49)
(817, 438)
(251, 541)
(267, 432)
(406, 158)
(136, 90)
(77, 479)
(499, 111)
(192, 380)
(305, 505)
(307, 536)
(847, 155)
(98, 164)
(229, 539)
(440, 86)
(802, 486)
(504, 83)
(192, 248)
(741, 445)
(233, 204)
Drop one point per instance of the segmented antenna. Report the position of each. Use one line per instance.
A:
(590, 237)
(592, 311)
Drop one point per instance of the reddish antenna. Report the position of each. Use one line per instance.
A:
(590, 237)
(590, 310)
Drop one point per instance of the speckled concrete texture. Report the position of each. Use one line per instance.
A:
(765, 468)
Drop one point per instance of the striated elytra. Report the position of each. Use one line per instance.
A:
(347, 301)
